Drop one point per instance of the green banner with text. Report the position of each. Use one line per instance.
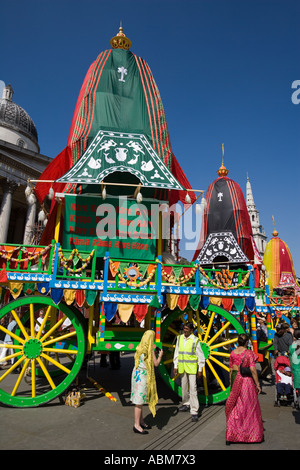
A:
(120, 226)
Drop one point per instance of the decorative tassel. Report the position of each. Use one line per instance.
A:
(41, 216)
(187, 198)
(198, 208)
(139, 197)
(104, 193)
(203, 203)
(51, 193)
(31, 199)
(28, 191)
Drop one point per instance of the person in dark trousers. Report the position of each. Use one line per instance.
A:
(282, 341)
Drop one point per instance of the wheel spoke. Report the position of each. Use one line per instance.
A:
(13, 367)
(225, 343)
(57, 325)
(168, 361)
(33, 377)
(219, 332)
(57, 364)
(219, 363)
(198, 325)
(62, 351)
(216, 375)
(176, 333)
(20, 324)
(47, 375)
(168, 345)
(10, 333)
(43, 322)
(204, 378)
(60, 338)
(32, 320)
(11, 356)
(10, 346)
(209, 327)
(20, 378)
(175, 377)
(217, 353)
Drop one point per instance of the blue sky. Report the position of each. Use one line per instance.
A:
(224, 69)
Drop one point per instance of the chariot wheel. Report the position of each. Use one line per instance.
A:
(217, 331)
(42, 352)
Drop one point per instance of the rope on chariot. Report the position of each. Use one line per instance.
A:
(7, 254)
(64, 261)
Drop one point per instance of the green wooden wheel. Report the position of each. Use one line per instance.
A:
(47, 356)
(217, 331)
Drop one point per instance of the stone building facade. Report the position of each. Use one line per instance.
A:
(20, 160)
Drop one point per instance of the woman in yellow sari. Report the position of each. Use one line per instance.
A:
(143, 382)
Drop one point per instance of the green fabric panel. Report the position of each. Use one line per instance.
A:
(239, 304)
(81, 222)
(120, 101)
(194, 301)
(90, 296)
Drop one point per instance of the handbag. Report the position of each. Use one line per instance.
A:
(245, 371)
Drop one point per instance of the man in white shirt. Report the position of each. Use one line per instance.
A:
(189, 361)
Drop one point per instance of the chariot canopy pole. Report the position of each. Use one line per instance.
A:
(57, 222)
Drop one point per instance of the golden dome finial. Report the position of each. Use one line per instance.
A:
(120, 41)
(222, 171)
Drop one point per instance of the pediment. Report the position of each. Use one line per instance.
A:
(221, 244)
(123, 152)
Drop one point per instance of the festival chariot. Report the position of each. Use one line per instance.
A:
(107, 267)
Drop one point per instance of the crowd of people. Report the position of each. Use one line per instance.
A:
(244, 422)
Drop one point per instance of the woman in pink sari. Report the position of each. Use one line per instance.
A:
(243, 413)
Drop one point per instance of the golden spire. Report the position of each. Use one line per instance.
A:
(120, 41)
(275, 233)
(222, 171)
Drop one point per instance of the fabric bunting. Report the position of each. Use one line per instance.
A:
(80, 297)
(183, 301)
(140, 311)
(125, 311)
(90, 297)
(114, 267)
(216, 301)
(227, 303)
(250, 303)
(195, 301)
(204, 302)
(29, 288)
(155, 302)
(69, 296)
(15, 289)
(43, 287)
(3, 276)
(110, 310)
(239, 304)
(57, 295)
(172, 300)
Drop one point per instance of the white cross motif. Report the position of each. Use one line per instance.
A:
(220, 195)
(123, 72)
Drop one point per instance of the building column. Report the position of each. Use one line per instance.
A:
(30, 220)
(8, 189)
(19, 227)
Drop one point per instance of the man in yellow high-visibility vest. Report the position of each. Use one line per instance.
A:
(189, 360)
